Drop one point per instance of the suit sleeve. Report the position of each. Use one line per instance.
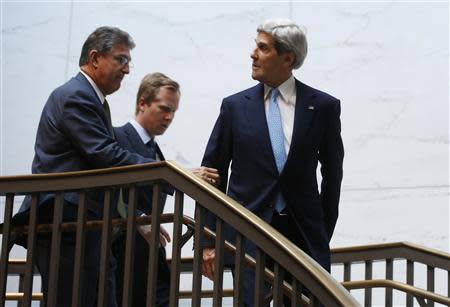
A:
(87, 131)
(331, 155)
(218, 155)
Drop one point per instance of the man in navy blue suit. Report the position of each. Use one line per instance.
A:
(274, 134)
(75, 133)
(156, 103)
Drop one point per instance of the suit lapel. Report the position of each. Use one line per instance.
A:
(256, 117)
(304, 113)
(84, 81)
(135, 140)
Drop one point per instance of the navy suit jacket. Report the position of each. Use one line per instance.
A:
(73, 135)
(241, 137)
(128, 138)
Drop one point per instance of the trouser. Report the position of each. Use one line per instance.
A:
(91, 261)
(285, 225)
(90, 270)
(140, 273)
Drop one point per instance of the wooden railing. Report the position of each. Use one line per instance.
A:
(393, 255)
(306, 273)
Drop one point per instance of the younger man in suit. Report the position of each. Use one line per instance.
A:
(156, 103)
(274, 134)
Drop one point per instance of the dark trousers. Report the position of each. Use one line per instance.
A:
(90, 270)
(285, 225)
(140, 272)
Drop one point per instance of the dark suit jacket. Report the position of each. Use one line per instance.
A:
(240, 137)
(128, 138)
(73, 135)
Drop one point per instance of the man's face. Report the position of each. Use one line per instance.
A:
(111, 68)
(157, 117)
(268, 67)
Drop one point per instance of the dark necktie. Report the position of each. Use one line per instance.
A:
(108, 116)
(151, 145)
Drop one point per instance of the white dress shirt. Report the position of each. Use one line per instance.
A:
(143, 134)
(286, 102)
(95, 87)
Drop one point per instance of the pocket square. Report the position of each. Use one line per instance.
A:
(311, 108)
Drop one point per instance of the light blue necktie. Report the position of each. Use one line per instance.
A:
(277, 139)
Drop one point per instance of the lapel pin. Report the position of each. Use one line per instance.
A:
(311, 108)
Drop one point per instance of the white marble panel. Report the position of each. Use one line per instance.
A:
(388, 62)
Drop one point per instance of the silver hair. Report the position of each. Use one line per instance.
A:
(288, 37)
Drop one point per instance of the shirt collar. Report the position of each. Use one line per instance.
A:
(287, 90)
(95, 87)
(144, 135)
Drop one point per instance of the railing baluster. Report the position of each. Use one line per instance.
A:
(176, 249)
(127, 297)
(430, 282)
(259, 277)
(79, 250)
(55, 250)
(312, 300)
(295, 293)
(448, 283)
(218, 264)
(154, 246)
(409, 281)
(6, 237)
(198, 256)
(31, 244)
(347, 271)
(368, 291)
(389, 276)
(277, 285)
(105, 250)
(238, 299)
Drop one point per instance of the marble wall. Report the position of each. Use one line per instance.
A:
(388, 62)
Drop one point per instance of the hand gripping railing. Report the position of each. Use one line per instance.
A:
(306, 273)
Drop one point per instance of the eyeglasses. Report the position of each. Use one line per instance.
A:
(122, 60)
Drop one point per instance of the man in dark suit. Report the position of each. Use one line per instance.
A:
(274, 134)
(156, 103)
(74, 134)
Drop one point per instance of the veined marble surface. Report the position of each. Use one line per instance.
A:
(388, 62)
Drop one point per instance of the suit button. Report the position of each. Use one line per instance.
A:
(270, 205)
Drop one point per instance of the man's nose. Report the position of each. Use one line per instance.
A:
(126, 68)
(253, 54)
(169, 116)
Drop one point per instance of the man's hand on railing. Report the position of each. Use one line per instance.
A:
(210, 175)
(145, 231)
(209, 255)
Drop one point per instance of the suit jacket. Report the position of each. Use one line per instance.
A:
(128, 138)
(241, 137)
(73, 135)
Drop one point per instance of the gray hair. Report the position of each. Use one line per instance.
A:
(103, 39)
(288, 38)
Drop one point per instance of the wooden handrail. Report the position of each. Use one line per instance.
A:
(396, 250)
(383, 283)
(284, 252)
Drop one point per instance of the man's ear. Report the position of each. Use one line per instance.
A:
(93, 58)
(142, 104)
(289, 59)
